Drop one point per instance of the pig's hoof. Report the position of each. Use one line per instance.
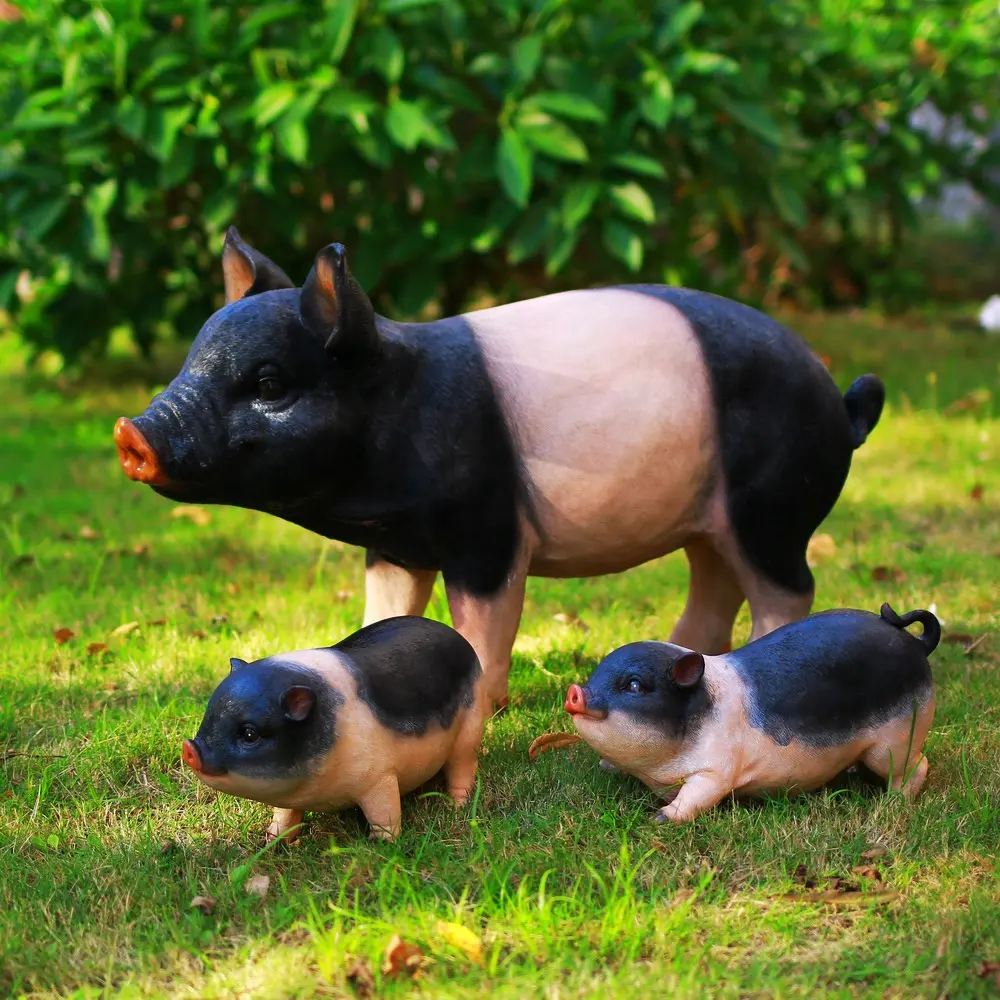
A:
(290, 835)
(671, 814)
(608, 766)
(500, 706)
(459, 796)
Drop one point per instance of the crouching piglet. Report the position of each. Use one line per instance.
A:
(358, 723)
(789, 711)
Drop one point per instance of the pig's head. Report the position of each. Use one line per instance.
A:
(266, 728)
(275, 396)
(642, 702)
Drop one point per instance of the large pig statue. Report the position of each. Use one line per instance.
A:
(574, 434)
(789, 711)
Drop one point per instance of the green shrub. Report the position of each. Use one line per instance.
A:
(462, 145)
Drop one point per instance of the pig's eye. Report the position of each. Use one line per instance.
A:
(634, 686)
(249, 734)
(269, 389)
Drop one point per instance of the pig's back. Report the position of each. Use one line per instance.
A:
(820, 680)
(411, 672)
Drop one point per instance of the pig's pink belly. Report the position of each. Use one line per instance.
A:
(798, 767)
(600, 562)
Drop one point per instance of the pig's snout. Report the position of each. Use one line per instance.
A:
(191, 756)
(136, 455)
(576, 703)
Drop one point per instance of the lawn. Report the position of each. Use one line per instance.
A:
(557, 866)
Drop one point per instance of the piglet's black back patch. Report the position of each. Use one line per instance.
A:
(411, 672)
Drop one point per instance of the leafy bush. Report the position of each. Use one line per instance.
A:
(462, 145)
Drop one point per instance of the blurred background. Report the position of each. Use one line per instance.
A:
(796, 155)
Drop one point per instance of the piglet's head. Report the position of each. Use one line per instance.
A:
(275, 394)
(641, 703)
(266, 727)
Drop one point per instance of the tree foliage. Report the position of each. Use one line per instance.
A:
(456, 145)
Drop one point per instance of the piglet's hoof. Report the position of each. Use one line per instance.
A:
(671, 814)
(289, 835)
(606, 765)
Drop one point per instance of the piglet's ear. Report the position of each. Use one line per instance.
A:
(247, 271)
(235, 663)
(688, 670)
(334, 308)
(297, 702)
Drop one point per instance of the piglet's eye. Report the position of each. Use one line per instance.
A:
(634, 687)
(249, 734)
(269, 389)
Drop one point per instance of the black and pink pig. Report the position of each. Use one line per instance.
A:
(788, 712)
(574, 434)
(359, 723)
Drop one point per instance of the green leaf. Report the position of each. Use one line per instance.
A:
(131, 118)
(178, 168)
(514, 167)
(218, 210)
(397, 6)
(789, 203)
(406, 123)
(7, 285)
(340, 27)
(561, 252)
(631, 199)
(525, 57)
(386, 55)
(38, 119)
(755, 118)
(344, 103)
(578, 201)
(271, 102)
(529, 236)
(97, 203)
(37, 221)
(623, 244)
(657, 104)
(488, 64)
(159, 66)
(565, 104)
(292, 139)
(680, 22)
(636, 163)
(164, 124)
(708, 64)
(552, 139)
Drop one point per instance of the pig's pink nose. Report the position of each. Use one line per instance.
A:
(576, 700)
(137, 458)
(190, 756)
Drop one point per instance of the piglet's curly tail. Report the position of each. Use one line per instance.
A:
(932, 627)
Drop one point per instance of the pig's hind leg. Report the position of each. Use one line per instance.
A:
(713, 601)
(897, 755)
(460, 768)
(391, 590)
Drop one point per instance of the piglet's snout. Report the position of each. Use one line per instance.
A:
(576, 703)
(135, 454)
(194, 759)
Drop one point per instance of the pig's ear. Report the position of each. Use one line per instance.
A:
(297, 702)
(235, 663)
(688, 670)
(334, 308)
(248, 272)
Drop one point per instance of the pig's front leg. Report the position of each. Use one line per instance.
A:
(391, 590)
(382, 808)
(697, 795)
(490, 624)
(283, 825)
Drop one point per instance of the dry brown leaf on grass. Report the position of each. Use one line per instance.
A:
(842, 897)
(257, 885)
(157, 621)
(990, 969)
(867, 871)
(976, 493)
(880, 574)
(360, 978)
(462, 938)
(402, 957)
(96, 647)
(821, 548)
(26, 560)
(125, 629)
(141, 549)
(62, 635)
(551, 741)
(196, 515)
(875, 852)
(204, 903)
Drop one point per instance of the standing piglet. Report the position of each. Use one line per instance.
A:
(789, 711)
(358, 723)
(572, 434)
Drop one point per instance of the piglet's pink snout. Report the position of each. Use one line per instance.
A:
(576, 703)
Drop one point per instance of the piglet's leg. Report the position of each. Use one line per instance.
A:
(282, 823)
(391, 590)
(697, 795)
(382, 808)
(490, 624)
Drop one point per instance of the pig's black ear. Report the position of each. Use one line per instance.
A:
(334, 308)
(297, 702)
(688, 670)
(248, 272)
(235, 663)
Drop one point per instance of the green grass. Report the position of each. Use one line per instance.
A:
(105, 837)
